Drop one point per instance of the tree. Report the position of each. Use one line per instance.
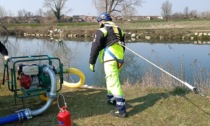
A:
(166, 9)
(186, 12)
(57, 7)
(117, 6)
(2, 12)
(40, 12)
(193, 14)
(24, 15)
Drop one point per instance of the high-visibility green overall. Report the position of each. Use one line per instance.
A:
(113, 59)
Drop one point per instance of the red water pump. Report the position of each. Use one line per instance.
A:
(27, 75)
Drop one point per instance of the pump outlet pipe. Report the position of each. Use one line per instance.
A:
(194, 89)
(52, 94)
(27, 113)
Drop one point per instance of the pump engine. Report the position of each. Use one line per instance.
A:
(32, 77)
(28, 76)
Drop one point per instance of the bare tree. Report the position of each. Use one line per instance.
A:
(24, 15)
(117, 6)
(49, 17)
(205, 15)
(166, 9)
(57, 7)
(193, 14)
(10, 13)
(48, 13)
(186, 12)
(40, 12)
(2, 12)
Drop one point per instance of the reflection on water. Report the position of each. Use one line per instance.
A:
(178, 59)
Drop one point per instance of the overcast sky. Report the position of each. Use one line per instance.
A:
(85, 7)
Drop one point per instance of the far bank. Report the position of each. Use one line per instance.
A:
(185, 30)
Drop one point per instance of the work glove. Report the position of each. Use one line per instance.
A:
(6, 58)
(92, 67)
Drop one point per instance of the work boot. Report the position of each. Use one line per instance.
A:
(120, 110)
(117, 113)
(111, 102)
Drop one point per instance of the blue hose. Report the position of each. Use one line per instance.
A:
(13, 118)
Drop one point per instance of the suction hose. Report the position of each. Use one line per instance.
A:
(76, 72)
(27, 113)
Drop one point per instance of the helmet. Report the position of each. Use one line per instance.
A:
(104, 16)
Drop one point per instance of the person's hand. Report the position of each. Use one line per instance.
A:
(6, 58)
(92, 67)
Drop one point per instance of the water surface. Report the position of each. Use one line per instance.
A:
(175, 58)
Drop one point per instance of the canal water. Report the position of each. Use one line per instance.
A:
(187, 59)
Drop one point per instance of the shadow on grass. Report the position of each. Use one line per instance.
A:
(92, 102)
(150, 100)
(144, 102)
(87, 103)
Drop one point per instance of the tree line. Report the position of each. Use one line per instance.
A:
(57, 9)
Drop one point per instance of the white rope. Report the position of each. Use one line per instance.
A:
(185, 83)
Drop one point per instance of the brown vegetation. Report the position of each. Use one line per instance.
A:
(195, 30)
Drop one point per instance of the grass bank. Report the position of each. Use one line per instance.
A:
(146, 106)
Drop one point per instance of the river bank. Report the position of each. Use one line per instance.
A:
(183, 31)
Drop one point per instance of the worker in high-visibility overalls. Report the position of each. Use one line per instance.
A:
(107, 43)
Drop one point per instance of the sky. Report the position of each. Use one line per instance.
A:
(85, 7)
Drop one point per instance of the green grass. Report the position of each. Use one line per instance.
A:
(146, 106)
(133, 25)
